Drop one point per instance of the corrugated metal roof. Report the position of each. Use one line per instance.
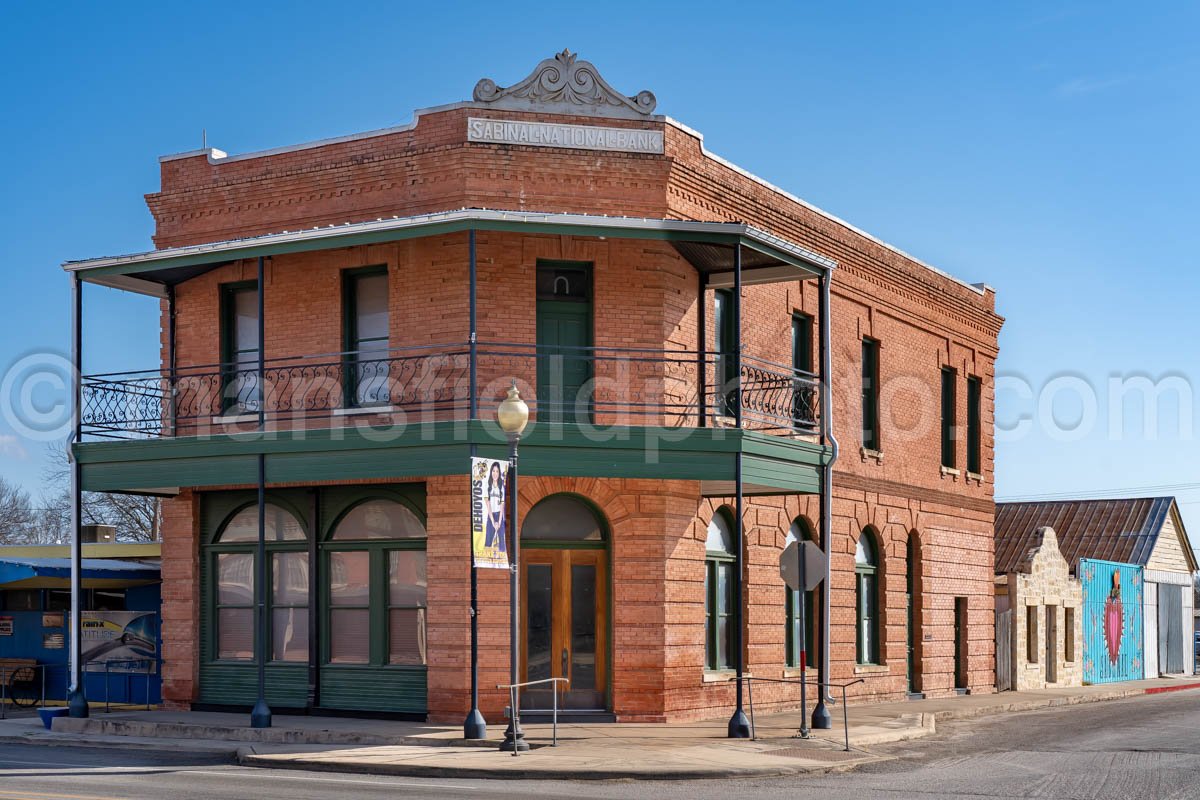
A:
(14, 568)
(1110, 530)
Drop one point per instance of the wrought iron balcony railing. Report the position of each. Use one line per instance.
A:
(596, 386)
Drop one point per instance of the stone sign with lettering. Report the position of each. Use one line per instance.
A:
(554, 134)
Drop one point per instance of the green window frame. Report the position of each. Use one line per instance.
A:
(284, 523)
(365, 359)
(719, 565)
(726, 346)
(800, 531)
(949, 416)
(866, 598)
(803, 400)
(381, 605)
(240, 390)
(870, 394)
(974, 425)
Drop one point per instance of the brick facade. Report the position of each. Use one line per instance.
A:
(645, 295)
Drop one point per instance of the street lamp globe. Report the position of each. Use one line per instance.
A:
(513, 413)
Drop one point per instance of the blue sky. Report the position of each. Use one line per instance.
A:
(1045, 148)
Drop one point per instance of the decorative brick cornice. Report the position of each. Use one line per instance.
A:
(848, 480)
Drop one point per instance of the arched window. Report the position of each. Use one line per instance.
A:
(800, 531)
(719, 563)
(562, 517)
(379, 519)
(372, 622)
(235, 570)
(866, 574)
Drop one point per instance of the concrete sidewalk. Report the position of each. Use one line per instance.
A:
(584, 751)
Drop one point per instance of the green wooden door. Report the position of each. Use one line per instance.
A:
(564, 340)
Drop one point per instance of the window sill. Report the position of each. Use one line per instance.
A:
(720, 675)
(951, 471)
(867, 454)
(793, 672)
(872, 669)
(975, 476)
(231, 419)
(356, 411)
(1033, 666)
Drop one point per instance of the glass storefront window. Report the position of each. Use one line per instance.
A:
(289, 606)
(235, 606)
(236, 574)
(406, 607)
(350, 607)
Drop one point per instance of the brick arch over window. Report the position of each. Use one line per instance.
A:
(604, 497)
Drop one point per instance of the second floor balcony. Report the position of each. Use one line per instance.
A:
(594, 387)
(435, 322)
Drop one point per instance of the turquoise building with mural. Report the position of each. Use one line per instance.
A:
(1112, 621)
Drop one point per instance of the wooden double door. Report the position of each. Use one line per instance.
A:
(564, 600)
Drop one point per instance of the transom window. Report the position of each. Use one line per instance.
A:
(379, 519)
(562, 517)
(280, 526)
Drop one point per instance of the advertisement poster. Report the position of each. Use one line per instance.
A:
(489, 520)
(6, 626)
(126, 640)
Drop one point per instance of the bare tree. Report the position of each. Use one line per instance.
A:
(135, 517)
(16, 513)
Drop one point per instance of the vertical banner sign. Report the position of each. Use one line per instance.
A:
(489, 520)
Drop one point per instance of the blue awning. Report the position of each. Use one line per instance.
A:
(40, 573)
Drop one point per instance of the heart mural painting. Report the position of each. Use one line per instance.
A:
(1114, 619)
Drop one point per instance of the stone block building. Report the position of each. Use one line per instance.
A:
(1040, 605)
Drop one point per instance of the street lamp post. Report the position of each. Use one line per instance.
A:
(513, 416)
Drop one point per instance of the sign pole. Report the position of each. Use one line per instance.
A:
(802, 605)
(474, 726)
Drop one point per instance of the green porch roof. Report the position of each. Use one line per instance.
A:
(706, 245)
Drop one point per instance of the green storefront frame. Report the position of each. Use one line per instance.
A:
(314, 684)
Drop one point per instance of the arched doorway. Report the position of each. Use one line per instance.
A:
(564, 586)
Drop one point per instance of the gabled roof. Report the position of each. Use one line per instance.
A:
(1111, 530)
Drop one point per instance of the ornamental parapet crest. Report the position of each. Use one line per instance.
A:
(565, 85)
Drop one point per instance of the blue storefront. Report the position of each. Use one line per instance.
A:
(1112, 621)
(121, 627)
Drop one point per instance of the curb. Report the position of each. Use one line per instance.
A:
(248, 758)
(1056, 702)
(124, 743)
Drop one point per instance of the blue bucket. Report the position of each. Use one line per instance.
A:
(48, 715)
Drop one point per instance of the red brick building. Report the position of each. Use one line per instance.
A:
(558, 233)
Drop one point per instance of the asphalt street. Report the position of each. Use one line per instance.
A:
(1145, 747)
